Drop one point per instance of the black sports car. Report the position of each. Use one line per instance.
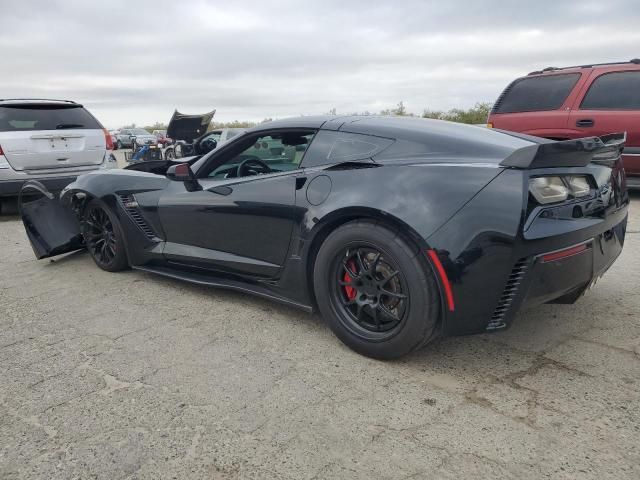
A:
(397, 229)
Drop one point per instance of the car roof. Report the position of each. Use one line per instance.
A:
(577, 68)
(412, 129)
(23, 101)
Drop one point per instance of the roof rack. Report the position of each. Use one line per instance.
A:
(635, 61)
(36, 100)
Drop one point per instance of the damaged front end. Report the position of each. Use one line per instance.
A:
(51, 221)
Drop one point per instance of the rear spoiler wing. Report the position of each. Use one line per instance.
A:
(568, 153)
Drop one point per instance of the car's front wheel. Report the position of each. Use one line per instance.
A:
(375, 291)
(103, 237)
(119, 145)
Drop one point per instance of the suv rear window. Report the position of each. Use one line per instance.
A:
(45, 117)
(614, 91)
(532, 94)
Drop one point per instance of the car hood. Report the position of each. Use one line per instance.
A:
(188, 127)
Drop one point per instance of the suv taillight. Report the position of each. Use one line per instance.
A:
(1, 152)
(107, 139)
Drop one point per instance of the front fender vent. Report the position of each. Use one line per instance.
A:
(130, 204)
(510, 291)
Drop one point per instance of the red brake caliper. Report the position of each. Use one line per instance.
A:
(349, 291)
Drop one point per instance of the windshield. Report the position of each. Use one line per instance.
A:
(139, 131)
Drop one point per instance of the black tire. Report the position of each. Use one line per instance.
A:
(169, 154)
(372, 320)
(103, 237)
(119, 145)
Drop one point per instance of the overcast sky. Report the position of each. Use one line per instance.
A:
(134, 61)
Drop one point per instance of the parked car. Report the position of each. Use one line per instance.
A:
(52, 141)
(573, 102)
(189, 133)
(398, 230)
(127, 136)
(162, 138)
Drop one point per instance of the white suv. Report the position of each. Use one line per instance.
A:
(52, 141)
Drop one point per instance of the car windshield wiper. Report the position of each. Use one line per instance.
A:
(69, 125)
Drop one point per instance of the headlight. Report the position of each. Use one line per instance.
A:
(578, 185)
(548, 189)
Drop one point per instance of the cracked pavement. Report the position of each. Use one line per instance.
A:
(134, 376)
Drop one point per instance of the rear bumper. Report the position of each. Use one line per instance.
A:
(9, 188)
(560, 275)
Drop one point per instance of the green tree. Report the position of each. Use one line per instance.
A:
(400, 110)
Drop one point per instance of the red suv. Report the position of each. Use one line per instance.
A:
(574, 102)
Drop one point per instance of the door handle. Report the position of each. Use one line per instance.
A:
(585, 122)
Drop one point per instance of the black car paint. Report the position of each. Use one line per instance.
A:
(439, 184)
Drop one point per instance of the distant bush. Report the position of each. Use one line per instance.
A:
(476, 114)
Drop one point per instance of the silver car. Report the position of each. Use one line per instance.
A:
(52, 141)
(127, 137)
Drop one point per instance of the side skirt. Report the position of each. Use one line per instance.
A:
(221, 282)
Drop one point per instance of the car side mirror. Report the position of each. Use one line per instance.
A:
(183, 173)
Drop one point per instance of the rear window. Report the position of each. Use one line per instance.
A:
(614, 91)
(532, 94)
(45, 117)
(336, 147)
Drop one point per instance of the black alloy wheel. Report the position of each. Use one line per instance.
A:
(103, 238)
(376, 290)
(370, 289)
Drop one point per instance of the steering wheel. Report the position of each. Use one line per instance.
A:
(251, 161)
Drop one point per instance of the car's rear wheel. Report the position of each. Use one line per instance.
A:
(103, 237)
(375, 291)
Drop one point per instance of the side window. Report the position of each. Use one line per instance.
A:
(258, 155)
(532, 94)
(331, 147)
(614, 91)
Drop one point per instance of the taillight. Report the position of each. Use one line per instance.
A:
(551, 189)
(4, 164)
(107, 139)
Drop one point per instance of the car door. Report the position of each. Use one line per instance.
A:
(237, 221)
(611, 104)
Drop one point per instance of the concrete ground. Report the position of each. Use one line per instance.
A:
(134, 376)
